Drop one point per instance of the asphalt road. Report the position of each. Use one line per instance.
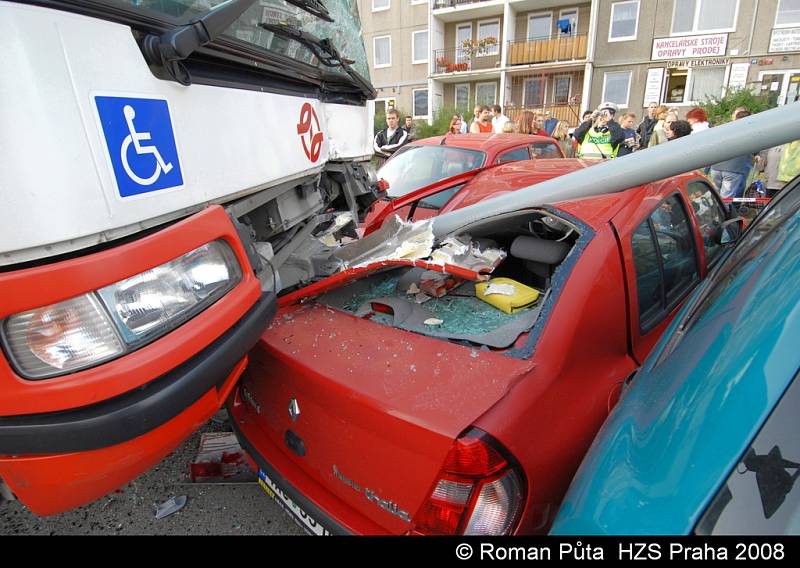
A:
(211, 509)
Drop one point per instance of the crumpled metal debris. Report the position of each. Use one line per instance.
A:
(401, 240)
(170, 506)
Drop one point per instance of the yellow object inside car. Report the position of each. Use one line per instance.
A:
(507, 294)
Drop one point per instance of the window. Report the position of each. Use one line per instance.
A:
(485, 93)
(490, 29)
(710, 217)
(415, 2)
(540, 26)
(382, 51)
(463, 33)
(567, 23)
(788, 13)
(516, 154)
(706, 82)
(420, 103)
(378, 5)
(419, 44)
(665, 261)
(624, 21)
(533, 92)
(561, 89)
(685, 86)
(695, 16)
(546, 150)
(462, 97)
(617, 87)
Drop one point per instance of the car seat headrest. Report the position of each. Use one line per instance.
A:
(539, 250)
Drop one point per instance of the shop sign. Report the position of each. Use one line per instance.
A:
(785, 39)
(711, 62)
(738, 78)
(652, 91)
(712, 45)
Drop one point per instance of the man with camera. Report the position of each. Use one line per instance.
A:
(601, 136)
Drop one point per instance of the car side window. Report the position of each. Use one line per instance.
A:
(665, 259)
(545, 150)
(515, 154)
(710, 216)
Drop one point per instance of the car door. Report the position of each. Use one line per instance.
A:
(659, 244)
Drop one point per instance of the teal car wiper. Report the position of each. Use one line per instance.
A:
(170, 48)
(325, 51)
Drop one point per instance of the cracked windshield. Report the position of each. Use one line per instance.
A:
(344, 31)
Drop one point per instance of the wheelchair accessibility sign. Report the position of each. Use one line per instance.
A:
(140, 143)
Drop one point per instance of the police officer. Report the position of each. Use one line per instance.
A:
(601, 135)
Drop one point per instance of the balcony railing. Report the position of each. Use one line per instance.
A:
(562, 48)
(569, 113)
(455, 60)
(439, 4)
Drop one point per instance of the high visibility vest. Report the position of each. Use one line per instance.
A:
(790, 162)
(597, 145)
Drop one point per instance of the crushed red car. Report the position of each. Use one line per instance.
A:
(452, 386)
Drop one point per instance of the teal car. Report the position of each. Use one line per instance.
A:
(705, 437)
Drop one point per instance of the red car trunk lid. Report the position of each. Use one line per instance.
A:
(379, 407)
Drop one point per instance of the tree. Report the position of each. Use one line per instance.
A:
(719, 109)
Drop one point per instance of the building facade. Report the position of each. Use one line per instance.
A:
(396, 40)
(565, 56)
(678, 52)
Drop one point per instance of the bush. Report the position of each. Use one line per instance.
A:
(441, 122)
(719, 109)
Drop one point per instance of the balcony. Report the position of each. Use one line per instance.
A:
(439, 4)
(461, 60)
(562, 48)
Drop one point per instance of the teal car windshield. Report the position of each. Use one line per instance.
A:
(344, 32)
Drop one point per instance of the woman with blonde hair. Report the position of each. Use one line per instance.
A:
(561, 134)
(659, 135)
(455, 125)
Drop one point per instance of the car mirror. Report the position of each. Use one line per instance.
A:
(729, 231)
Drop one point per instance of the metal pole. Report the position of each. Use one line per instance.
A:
(748, 135)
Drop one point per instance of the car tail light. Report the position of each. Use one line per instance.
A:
(478, 491)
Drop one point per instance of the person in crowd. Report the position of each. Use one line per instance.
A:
(509, 127)
(498, 119)
(526, 123)
(698, 119)
(678, 129)
(601, 136)
(475, 114)
(730, 176)
(390, 139)
(410, 127)
(550, 123)
(567, 143)
(455, 125)
(626, 122)
(484, 122)
(659, 134)
(587, 115)
(464, 125)
(767, 163)
(645, 129)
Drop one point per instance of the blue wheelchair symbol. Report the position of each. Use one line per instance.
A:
(140, 143)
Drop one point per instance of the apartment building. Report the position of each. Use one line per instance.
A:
(565, 56)
(677, 52)
(398, 51)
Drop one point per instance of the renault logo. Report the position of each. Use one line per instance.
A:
(294, 410)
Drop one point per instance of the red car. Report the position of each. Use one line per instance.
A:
(367, 412)
(430, 160)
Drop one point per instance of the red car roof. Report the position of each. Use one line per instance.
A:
(484, 142)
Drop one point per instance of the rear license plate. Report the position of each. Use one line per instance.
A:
(306, 521)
